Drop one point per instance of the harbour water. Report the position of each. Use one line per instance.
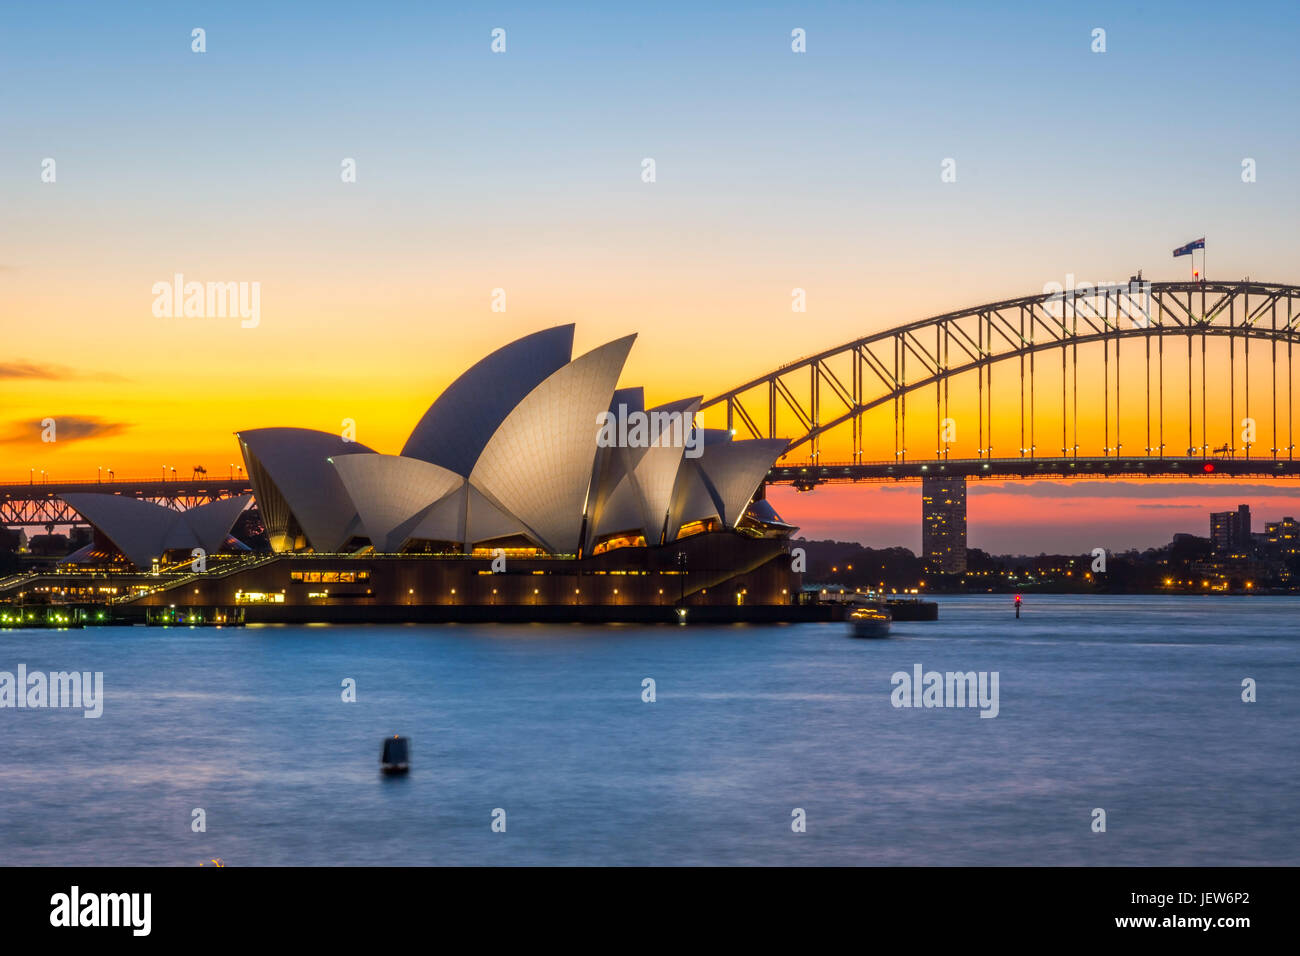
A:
(1129, 704)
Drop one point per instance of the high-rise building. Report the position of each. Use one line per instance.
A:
(943, 524)
(1230, 530)
(1283, 537)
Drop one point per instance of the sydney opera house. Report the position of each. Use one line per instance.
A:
(507, 501)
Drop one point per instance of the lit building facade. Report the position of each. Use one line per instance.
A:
(943, 524)
(1230, 531)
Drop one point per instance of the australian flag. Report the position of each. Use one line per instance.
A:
(1187, 249)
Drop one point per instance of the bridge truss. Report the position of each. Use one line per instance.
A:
(1154, 317)
(37, 504)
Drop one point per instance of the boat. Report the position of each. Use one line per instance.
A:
(396, 755)
(870, 622)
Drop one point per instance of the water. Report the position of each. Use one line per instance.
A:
(1131, 704)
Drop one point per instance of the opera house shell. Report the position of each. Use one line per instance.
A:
(142, 531)
(508, 459)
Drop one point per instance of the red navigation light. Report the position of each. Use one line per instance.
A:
(1209, 466)
(1196, 273)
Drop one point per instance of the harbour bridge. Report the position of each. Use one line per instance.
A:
(1145, 333)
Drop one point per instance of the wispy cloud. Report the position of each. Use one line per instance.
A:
(53, 373)
(67, 428)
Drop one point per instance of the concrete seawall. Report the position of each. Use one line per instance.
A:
(522, 614)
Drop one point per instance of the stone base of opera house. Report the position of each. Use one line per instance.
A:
(728, 577)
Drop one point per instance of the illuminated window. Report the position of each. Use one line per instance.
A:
(619, 541)
(258, 597)
(696, 527)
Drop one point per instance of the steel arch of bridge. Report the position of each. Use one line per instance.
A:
(978, 338)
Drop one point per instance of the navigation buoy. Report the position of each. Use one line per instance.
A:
(396, 755)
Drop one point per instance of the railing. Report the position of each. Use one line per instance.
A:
(115, 480)
(222, 570)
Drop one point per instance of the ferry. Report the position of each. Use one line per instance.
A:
(870, 622)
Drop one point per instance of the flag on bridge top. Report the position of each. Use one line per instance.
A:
(1187, 249)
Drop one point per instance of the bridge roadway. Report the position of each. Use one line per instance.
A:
(807, 475)
(133, 487)
(37, 504)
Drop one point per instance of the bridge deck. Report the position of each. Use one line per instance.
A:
(38, 503)
(1033, 468)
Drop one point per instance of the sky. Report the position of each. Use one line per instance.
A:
(522, 171)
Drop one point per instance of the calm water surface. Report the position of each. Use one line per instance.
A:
(1132, 704)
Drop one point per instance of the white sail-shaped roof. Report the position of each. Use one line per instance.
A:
(510, 449)
(620, 511)
(691, 499)
(734, 470)
(655, 474)
(611, 464)
(633, 397)
(143, 530)
(538, 464)
(211, 523)
(136, 528)
(487, 521)
(635, 484)
(467, 516)
(290, 466)
(392, 494)
(457, 427)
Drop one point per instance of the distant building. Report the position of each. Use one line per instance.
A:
(1282, 538)
(14, 540)
(1230, 530)
(943, 524)
(48, 545)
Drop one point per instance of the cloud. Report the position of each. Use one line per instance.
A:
(25, 370)
(31, 371)
(67, 429)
